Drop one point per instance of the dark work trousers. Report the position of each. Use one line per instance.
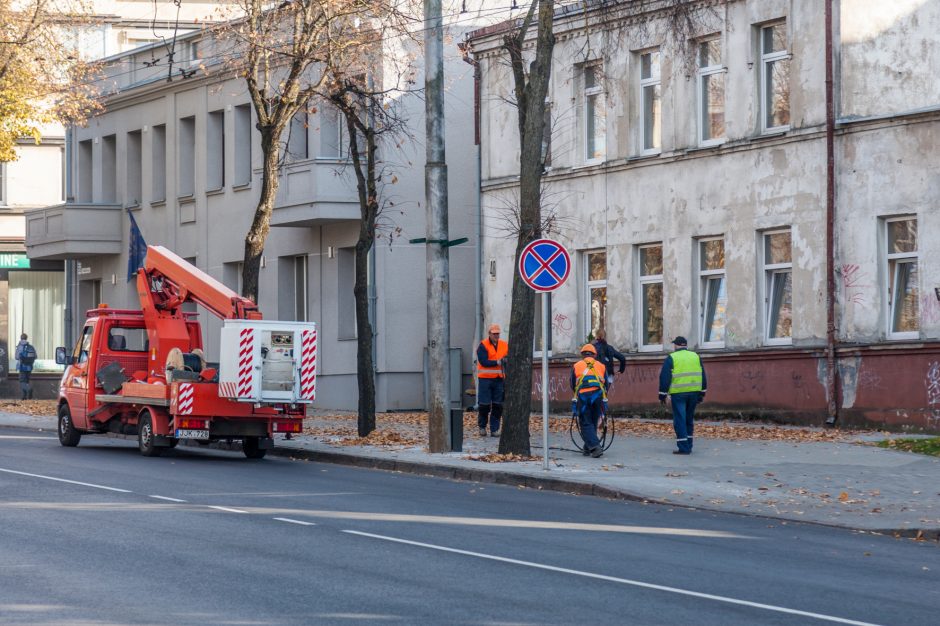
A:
(683, 413)
(590, 408)
(490, 403)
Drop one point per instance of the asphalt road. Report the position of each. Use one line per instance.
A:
(208, 537)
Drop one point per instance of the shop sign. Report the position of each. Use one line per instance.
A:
(14, 260)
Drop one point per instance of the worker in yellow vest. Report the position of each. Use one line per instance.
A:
(682, 378)
(590, 398)
(491, 355)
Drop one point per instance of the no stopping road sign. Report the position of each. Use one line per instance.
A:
(544, 265)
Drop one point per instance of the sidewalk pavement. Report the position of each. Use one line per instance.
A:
(786, 474)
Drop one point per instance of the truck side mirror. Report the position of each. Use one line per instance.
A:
(61, 358)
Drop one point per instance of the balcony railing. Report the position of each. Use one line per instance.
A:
(74, 231)
(312, 193)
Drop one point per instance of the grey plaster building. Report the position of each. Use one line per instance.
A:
(183, 158)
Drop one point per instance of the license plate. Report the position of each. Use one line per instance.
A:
(192, 434)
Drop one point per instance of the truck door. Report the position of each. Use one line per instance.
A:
(76, 378)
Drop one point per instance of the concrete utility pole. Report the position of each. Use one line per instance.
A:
(435, 193)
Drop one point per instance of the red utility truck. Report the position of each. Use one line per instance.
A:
(144, 373)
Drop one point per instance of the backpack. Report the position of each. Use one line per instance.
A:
(28, 356)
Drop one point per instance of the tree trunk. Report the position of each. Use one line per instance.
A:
(531, 98)
(365, 370)
(261, 224)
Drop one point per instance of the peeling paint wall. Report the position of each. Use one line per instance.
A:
(887, 57)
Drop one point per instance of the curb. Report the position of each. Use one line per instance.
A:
(560, 485)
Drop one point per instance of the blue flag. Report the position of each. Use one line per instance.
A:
(136, 249)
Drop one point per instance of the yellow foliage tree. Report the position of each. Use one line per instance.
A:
(43, 79)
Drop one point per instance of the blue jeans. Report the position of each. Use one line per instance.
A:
(490, 402)
(590, 407)
(683, 413)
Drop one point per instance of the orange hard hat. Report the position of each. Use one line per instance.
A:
(588, 348)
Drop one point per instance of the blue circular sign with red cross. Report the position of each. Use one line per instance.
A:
(544, 265)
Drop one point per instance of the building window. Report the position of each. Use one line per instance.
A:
(711, 93)
(650, 110)
(85, 170)
(242, 144)
(714, 292)
(35, 305)
(596, 267)
(109, 169)
(547, 137)
(187, 158)
(232, 276)
(297, 145)
(332, 133)
(300, 288)
(903, 290)
(774, 78)
(132, 191)
(158, 164)
(651, 294)
(345, 298)
(3, 184)
(595, 114)
(215, 151)
(778, 297)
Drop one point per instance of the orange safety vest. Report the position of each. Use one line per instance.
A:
(501, 351)
(589, 375)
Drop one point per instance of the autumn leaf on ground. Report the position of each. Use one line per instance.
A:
(502, 458)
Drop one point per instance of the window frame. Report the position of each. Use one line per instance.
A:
(893, 260)
(592, 95)
(215, 146)
(301, 297)
(702, 73)
(770, 271)
(705, 276)
(590, 285)
(653, 81)
(642, 280)
(765, 59)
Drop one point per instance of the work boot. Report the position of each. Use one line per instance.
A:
(597, 451)
(483, 432)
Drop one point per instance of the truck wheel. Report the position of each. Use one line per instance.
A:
(68, 436)
(145, 436)
(251, 446)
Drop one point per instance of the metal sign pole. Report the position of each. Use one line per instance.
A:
(546, 316)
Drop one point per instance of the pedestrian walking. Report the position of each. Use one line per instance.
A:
(25, 356)
(590, 398)
(682, 378)
(491, 355)
(607, 354)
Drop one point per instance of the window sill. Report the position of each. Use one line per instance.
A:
(187, 199)
(774, 343)
(653, 152)
(133, 206)
(653, 348)
(158, 203)
(241, 186)
(332, 160)
(345, 339)
(215, 192)
(644, 156)
(770, 133)
(711, 143)
(907, 336)
(712, 346)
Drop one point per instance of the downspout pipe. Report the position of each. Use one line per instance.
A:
(832, 373)
(478, 275)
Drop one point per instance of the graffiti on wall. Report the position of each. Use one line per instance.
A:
(855, 284)
(558, 385)
(562, 325)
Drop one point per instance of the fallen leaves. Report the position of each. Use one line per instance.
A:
(502, 458)
(29, 407)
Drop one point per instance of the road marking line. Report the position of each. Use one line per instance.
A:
(625, 581)
(63, 480)
(294, 521)
(23, 437)
(224, 508)
(167, 499)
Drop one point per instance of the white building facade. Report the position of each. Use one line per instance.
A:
(689, 177)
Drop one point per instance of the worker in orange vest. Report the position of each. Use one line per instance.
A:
(491, 354)
(590, 397)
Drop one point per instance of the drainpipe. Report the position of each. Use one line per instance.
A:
(70, 269)
(478, 275)
(832, 373)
